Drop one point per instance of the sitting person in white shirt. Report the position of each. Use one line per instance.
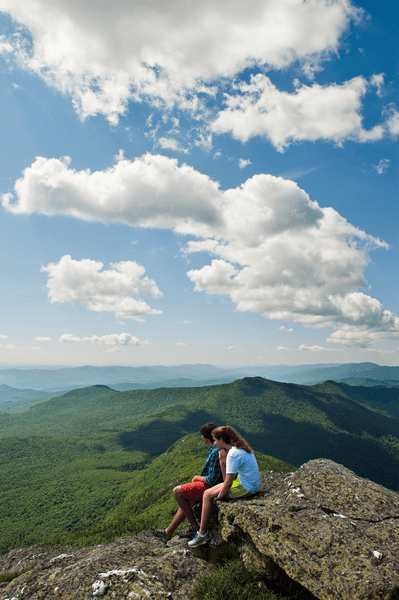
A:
(241, 478)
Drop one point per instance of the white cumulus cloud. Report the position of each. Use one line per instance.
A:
(363, 335)
(242, 163)
(105, 53)
(150, 191)
(272, 249)
(313, 113)
(392, 115)
(114, 290)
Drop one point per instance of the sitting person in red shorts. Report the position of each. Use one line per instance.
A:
(188, 494)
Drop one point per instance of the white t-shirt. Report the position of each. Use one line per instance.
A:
(244, 463)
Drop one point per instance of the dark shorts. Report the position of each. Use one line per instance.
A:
(193, 492)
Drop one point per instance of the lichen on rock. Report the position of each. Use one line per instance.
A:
(334, 533)
(131, 567)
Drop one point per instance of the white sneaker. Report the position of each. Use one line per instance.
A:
(199, 539)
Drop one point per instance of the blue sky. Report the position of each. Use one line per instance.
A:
(198, 182)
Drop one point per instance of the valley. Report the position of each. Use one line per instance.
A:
(94, 462)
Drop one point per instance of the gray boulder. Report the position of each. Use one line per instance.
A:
(335, 534)
(321, 533)
(131, 567)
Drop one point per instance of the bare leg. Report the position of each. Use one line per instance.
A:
(177, 519)
(184, 511)
(207, 505)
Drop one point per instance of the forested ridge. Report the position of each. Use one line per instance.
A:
(94, 463)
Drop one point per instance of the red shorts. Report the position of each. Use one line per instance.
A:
(193, 492)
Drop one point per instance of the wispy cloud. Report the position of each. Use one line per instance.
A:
(168, 143)
(298, 173)
(113, 339)
(382, 166)
(313, 348)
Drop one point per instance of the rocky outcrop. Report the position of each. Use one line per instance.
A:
(131, 567)
(334, 533)
(321, 532)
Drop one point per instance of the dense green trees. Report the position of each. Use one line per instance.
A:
(94, 464)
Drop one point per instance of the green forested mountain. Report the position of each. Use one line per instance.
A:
(91, 489)
(149, 500)
(381, 398)
(90, 409)
(294, 423)
(98, 458)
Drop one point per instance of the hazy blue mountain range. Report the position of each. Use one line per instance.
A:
(62, 379)
(17, 399)
(312, 374)
(367, 382)
(74, 377)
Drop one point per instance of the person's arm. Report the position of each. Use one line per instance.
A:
(226, 485)
(222, 462)
(198, 478)
(208, 473)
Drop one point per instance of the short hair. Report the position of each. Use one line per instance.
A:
(206, 430)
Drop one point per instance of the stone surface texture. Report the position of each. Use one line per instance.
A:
(333, 535)
(131, 567)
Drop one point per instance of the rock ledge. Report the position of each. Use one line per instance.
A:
(322, 529)
(334, 533)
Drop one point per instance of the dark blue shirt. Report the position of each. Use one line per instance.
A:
(212, 470)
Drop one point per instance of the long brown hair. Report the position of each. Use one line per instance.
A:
(230, 436)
